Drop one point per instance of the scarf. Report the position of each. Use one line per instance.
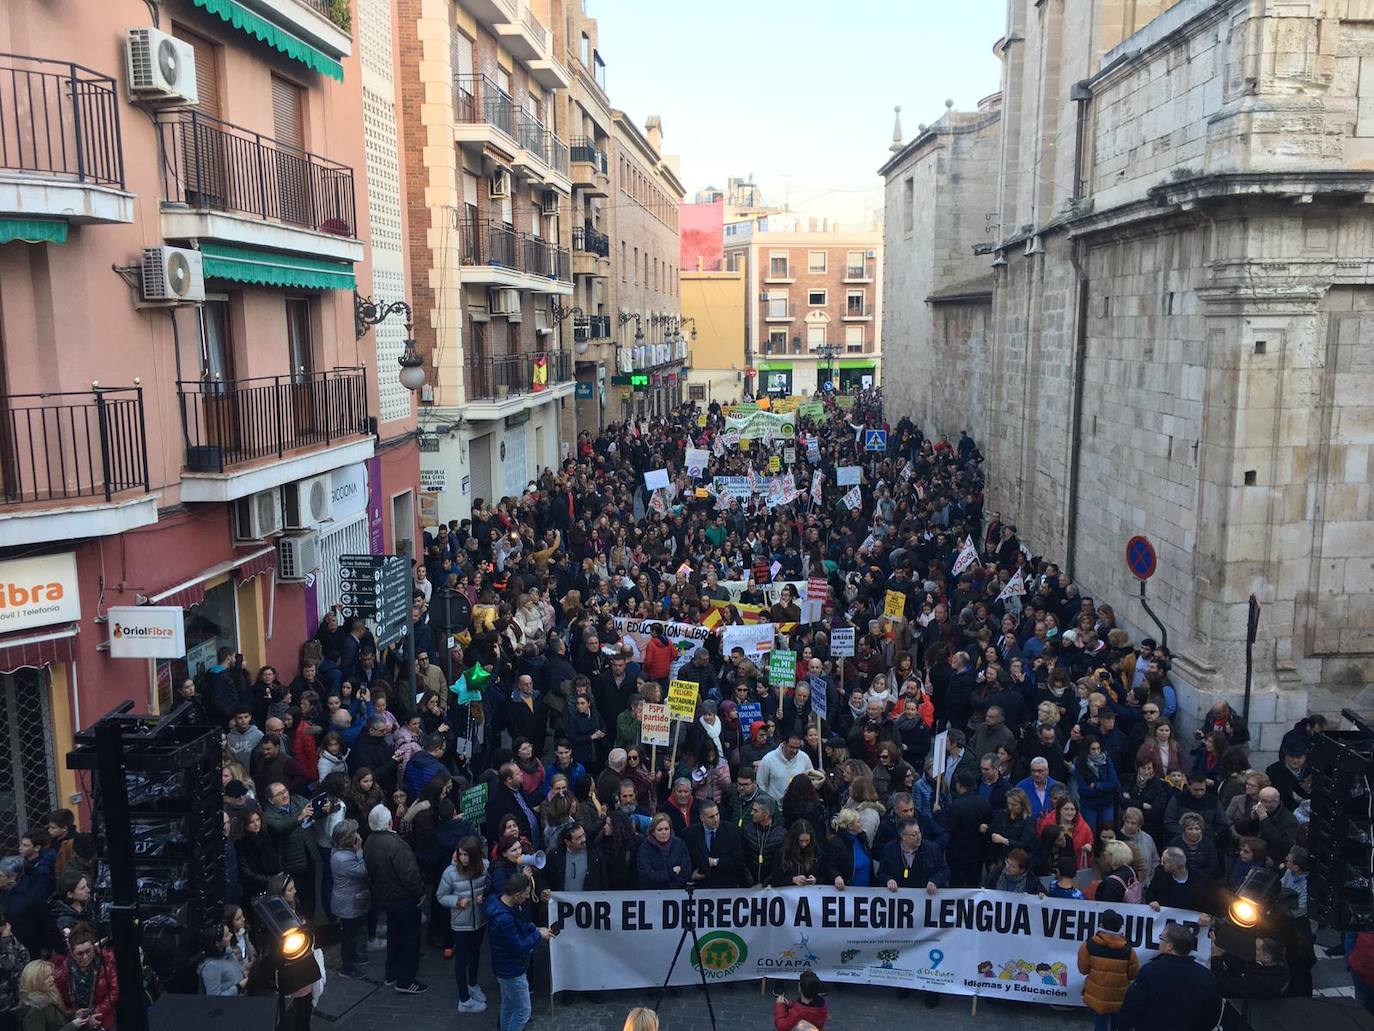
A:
(712, 730)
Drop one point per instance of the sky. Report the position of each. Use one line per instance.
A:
(798, 93)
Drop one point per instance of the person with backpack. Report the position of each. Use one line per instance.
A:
(1121, 884)
(1110, 965)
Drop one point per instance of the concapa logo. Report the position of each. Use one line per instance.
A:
(722, 953)
(15, 596)
(121, 631)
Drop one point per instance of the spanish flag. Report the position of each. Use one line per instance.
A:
(541, 374)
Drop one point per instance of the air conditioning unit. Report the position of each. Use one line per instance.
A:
(504, 301)
(541, 322)
(871, 254)
(307, 503)
(257, 516)
(500, 184)
(162, 68)
(298, 555)
(548, 204)
(172, 275)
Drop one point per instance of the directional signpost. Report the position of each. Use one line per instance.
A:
(377, 587)
(875, 440)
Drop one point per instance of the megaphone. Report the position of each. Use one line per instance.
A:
(537, 860)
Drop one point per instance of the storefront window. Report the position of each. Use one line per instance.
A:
(211, 625)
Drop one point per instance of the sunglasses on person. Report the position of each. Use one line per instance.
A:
(632, 758)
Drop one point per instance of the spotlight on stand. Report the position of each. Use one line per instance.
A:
(296, 968)
(1253, 898)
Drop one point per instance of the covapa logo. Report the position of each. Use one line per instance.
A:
(721, 954)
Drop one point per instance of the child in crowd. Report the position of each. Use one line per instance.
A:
(810, 1006)
(1064, 886)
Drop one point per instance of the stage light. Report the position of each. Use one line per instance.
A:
(297, 968)
(1244, 912)
(295, 944)
(1252, 899)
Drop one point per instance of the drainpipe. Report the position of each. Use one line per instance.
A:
(1080, 94)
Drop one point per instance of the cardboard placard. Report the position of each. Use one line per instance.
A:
(842, 642)
(653, 724)
(682, 700)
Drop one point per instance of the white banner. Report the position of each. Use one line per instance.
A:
(967, 556)
(755, 638)
(685, 637)
(958, 941)
(697, 458)
(772, 592)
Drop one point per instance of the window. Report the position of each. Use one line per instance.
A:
(815, 337)
(854, 302)
(815, 261)
(777, 266)
(216, 355)
(815, 298)
(298, 336)
(696, 391)
(585, 53)
(854, 339)
(777, 341)
(624, 260)
(777, 304)
(636, 266)
(908, 205)
(854, 264)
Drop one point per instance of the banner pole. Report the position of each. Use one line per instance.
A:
(820, 752)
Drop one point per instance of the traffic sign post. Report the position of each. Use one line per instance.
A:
(875, 440)
(379, 588)
(1142, 562)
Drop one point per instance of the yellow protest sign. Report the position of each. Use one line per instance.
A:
(682, 700)
(774, 464)
(701, 419)
(896, 605)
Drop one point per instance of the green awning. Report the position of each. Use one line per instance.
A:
(271, 268)
(854, 363)
(774, 366)
(273, 35)
(33, 230)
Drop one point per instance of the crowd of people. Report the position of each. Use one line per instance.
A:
(1068, 771)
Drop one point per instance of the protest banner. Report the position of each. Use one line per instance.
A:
(853, 499)
(697, 458)
(656, 479)
(961, 941)
(718, 447)
(731, 438)
(842, 642)
(772, 592)
(685, 637)
(472, 803)
(760, 425)
(813, 449)
(820, 697)
(817, 487)
(967, 556)
(847, 475)
(749, 713)
(894, 606)
(653, 723)
(774, 464)
(682, 700)
(782, 667)
(756, 639)
(1015, 586)
(817, 588)
(789, 455)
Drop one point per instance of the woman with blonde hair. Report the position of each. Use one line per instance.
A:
(641, 1018)
(847, 853)
(40, 1003)
(863, 798)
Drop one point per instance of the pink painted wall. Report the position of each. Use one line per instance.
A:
(703, 236)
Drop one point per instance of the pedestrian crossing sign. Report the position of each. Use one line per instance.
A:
(875, 440)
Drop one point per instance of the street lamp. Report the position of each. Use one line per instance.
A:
(368, 313)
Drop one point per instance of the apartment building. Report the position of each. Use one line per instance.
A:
(814, 310)
(652, 352)
(489, 193)
(713, 307)
(189, 430)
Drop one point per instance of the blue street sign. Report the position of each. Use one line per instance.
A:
(584, 389)
(875, 440)
(1140, 558)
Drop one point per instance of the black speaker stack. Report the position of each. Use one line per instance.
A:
(1340, 836)
(165, 837)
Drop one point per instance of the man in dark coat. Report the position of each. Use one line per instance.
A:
(504, 798)
(1172, 992)
(965, 816)
(910, 862)
(715, 847)
(572, 866)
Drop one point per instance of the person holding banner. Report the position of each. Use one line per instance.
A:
(717, 849)
(847, 853)
(663, 860)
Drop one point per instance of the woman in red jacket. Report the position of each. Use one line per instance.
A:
(659, 654)
(87, 979)
(810, 1005)
(1073, 829)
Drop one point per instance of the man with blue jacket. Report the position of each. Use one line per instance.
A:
(513, 941)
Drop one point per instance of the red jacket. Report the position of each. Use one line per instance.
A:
(658, 659)
(1082, 835)
(787, 1014)
(103, 996)
(304, 749)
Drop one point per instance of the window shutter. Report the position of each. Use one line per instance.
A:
(207, 70)
(286, 114)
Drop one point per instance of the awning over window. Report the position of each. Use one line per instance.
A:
(255, 25)
(33, 230)
(192, 592)
(271, 268)
(854, 363)
(38, 648)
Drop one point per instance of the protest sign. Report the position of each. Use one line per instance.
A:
(962, 941)
(718, 447)
(967, 556)
(656, 479)
(939, 753)
(813, 450)
(1015, 586)
(847, 475)
(685, 637)
(789, 455)
(653, 724)
(820, 697)
(817, 588)
(852, 500)
(658, 503)
(817, 487)
(472, 804)
(682, 700)
(748, 713)
(697, 457)
(774, 464)
(894, 605)
(731, 438)
(754, 638)
(842, 642)
(782, 667)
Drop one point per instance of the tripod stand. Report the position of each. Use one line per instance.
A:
(689, 928)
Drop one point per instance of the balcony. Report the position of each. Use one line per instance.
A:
(233, 423)
(591, 167)
(478, 101)
(587, 328)
(779, 311)
(591, 252)
(542, 155)
(494, 254)
(525, 37)
(857, 274)
(856, 313)
(515, 375)
(545, 259)
(223, 182)
(61, 154)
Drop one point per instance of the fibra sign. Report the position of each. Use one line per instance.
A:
(147, 632)
(38, 592)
